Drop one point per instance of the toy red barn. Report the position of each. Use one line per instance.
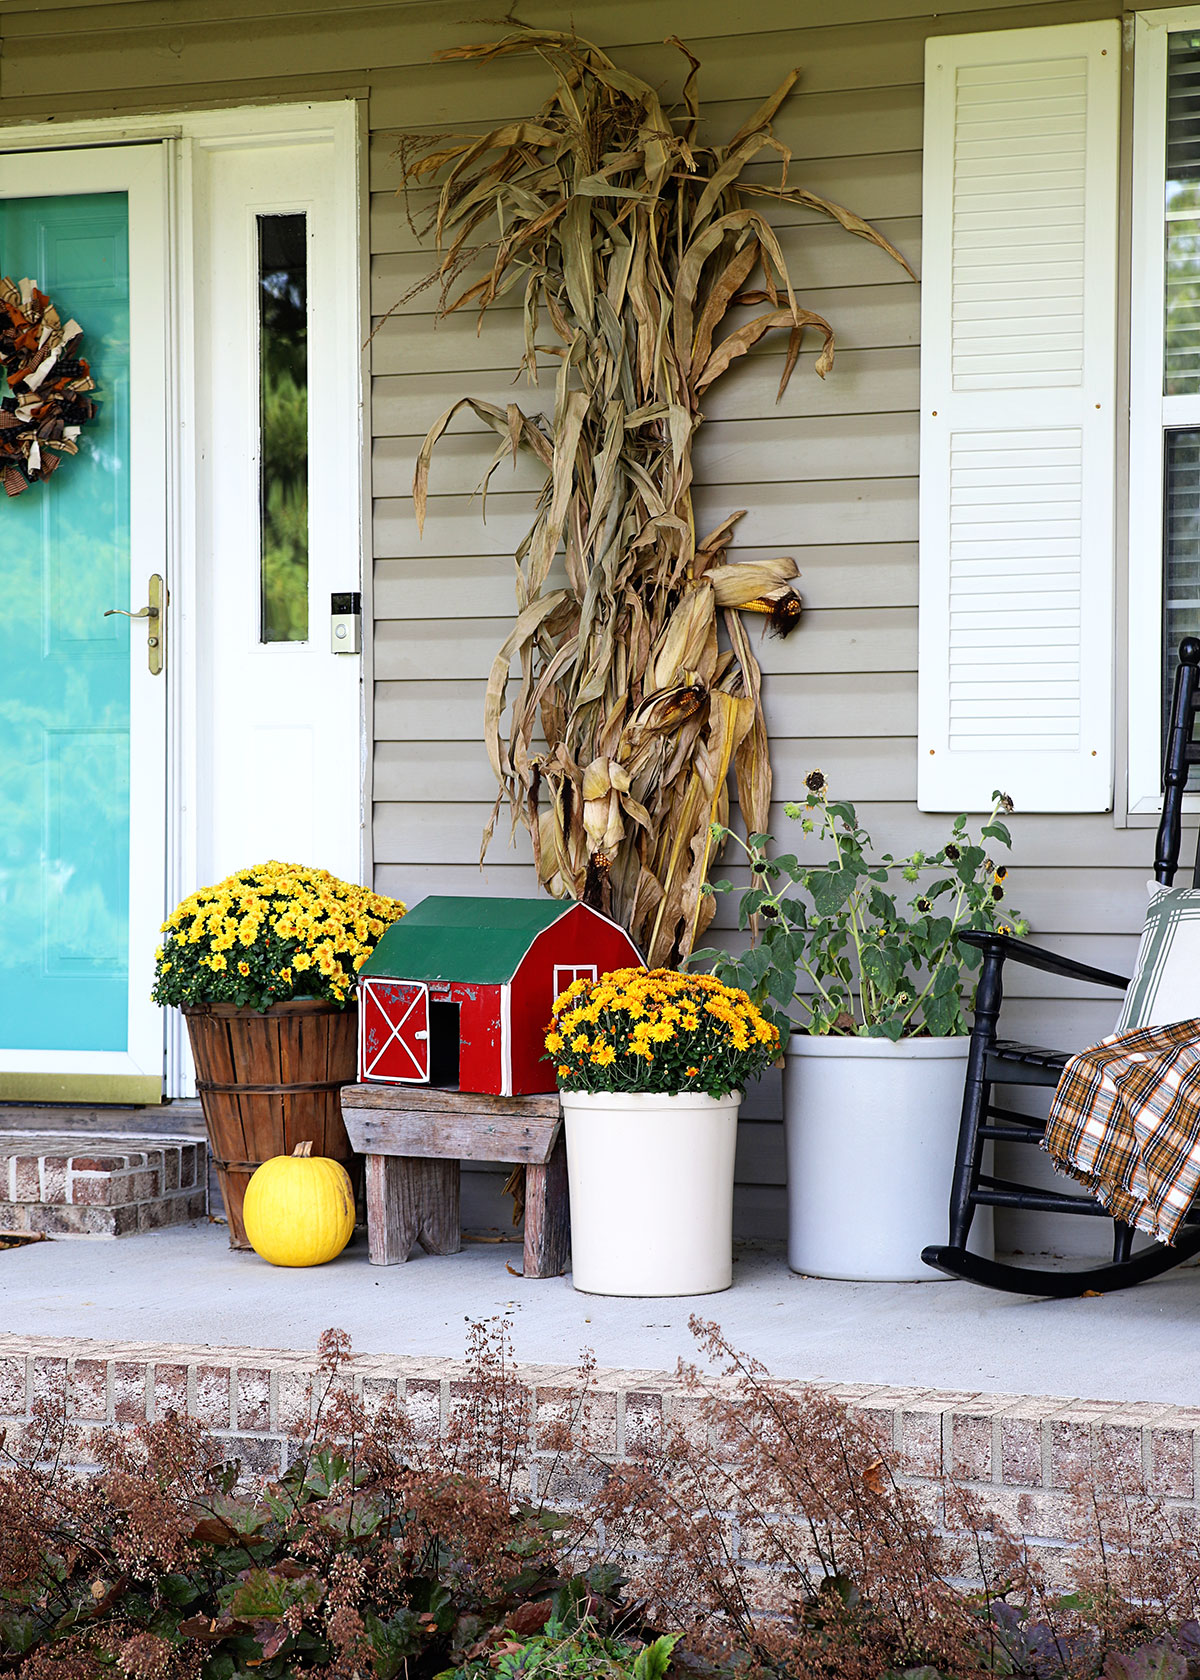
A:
(459, 992)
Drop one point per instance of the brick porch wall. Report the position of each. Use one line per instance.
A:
(1019, 1453)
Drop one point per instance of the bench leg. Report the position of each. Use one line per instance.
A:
(411, 1201)
(391, 1228)
(547, 1216)
(431, 1189)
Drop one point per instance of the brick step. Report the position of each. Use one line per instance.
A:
(485, 1211)
(71, 1183)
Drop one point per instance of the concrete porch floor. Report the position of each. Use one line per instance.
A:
(184, 1285)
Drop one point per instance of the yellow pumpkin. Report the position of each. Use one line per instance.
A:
(299, 1209)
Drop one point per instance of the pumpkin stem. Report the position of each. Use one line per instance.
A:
(303, 1149)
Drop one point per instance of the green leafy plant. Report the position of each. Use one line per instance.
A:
(874, 966)
(572, 1646)
(631, 240)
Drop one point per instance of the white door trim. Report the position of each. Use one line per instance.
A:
(340, 118)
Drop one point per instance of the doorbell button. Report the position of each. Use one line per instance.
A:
(345, 622)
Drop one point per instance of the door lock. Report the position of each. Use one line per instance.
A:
(155, 614)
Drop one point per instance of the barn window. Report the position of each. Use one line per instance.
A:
(566, 975)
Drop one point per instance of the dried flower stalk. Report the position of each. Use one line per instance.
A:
(631, 242)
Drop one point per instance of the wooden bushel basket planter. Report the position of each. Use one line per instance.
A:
(268, 1081)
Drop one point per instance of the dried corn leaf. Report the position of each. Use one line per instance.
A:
(737, 343)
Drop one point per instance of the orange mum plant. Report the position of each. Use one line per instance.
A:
(269, 934)
(658, 1030)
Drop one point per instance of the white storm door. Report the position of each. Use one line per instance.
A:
(279, 499)
(82, 696)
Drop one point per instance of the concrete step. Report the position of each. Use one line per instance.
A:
(76, 1183)
(179, 1119)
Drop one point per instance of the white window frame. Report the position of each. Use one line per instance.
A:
(565, 974)
(1150, 412)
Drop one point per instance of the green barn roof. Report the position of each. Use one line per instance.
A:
(472, 939)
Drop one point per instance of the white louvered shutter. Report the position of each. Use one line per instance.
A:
(1018, 389)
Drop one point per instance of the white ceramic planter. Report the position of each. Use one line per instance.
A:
(651, 1181)
(872, 1129)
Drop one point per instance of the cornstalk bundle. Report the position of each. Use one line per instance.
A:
(631, 242)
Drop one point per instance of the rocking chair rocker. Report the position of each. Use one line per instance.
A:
(992, 1060)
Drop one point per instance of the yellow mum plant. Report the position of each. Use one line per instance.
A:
(658, 1030)
(269, 934)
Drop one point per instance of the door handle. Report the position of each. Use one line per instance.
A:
(155, 613)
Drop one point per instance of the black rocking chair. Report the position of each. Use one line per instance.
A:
(992, 1060)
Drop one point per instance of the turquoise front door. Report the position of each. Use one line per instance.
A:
(82, 713)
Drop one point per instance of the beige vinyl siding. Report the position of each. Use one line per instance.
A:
(829, 474)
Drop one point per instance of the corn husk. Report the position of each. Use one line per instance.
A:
(631, 244)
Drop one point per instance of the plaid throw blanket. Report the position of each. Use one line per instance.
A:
(1125, 1121)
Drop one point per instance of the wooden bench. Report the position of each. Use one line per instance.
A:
(415, 1136)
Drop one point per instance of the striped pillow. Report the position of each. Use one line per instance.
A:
(1166, 981)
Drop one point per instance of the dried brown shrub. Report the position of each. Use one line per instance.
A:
(770, 1522)
(386, 1546)
(765, 1522)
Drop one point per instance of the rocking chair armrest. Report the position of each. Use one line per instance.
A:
(1007, 948)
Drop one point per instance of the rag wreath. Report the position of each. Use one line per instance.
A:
(48, 384)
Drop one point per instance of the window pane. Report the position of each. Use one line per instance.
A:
(1182, 370)
(65, 551)
(283, 385)
(1181, 548)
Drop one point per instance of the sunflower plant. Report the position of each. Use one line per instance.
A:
(658, 1030)
(843, 942)
(267, 935)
